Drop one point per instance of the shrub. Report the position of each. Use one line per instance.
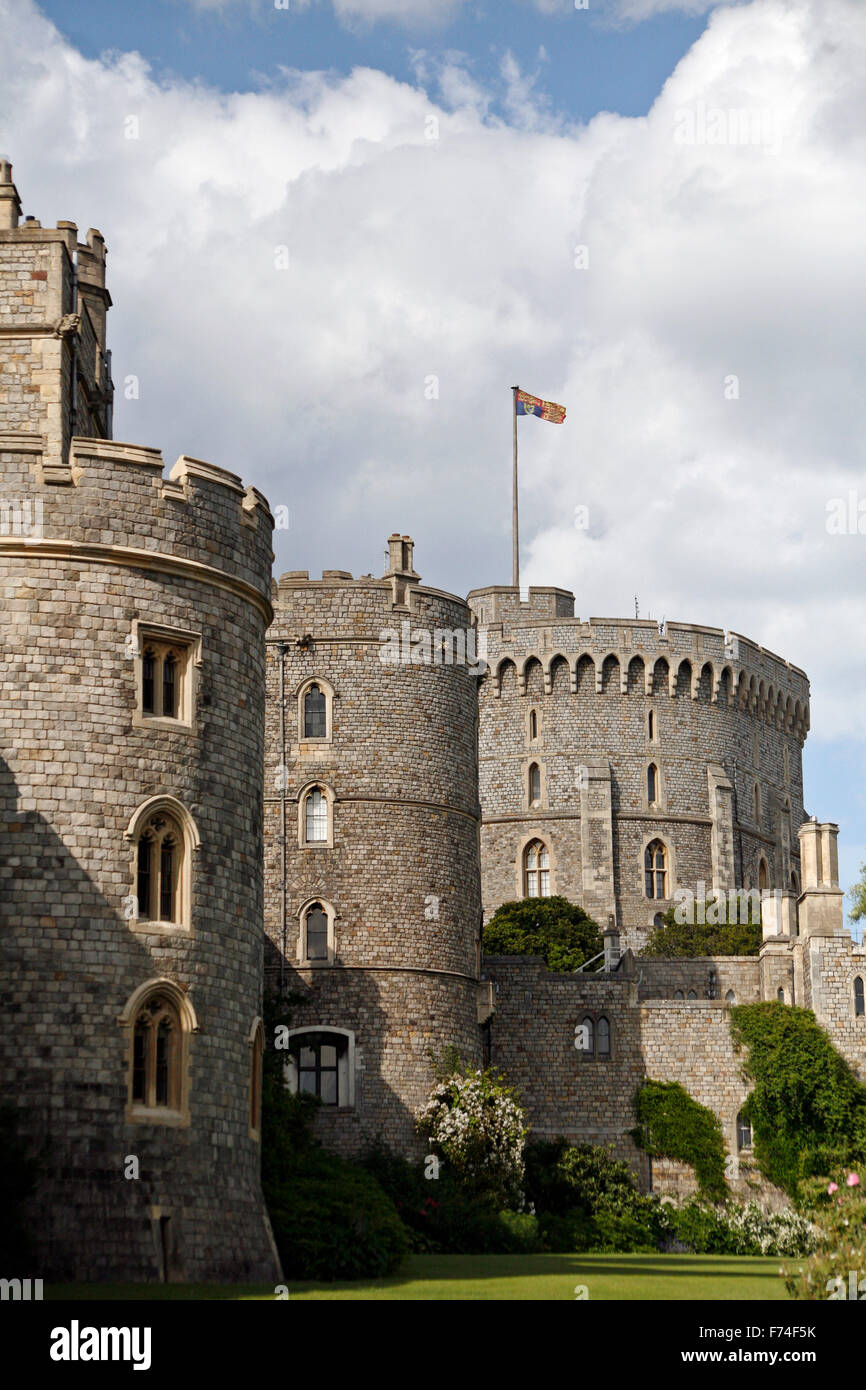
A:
(807, 1108)
(442, 1219)
(838, 1211)
(335, 1222)
(473, 1121)
(683, 939)
(331, 1219)
(553, 928)
(732, 1228)
(671, 1124)
(586, 1199)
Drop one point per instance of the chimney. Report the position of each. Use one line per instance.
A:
(400, 570)
(10, 203)
(821, 901)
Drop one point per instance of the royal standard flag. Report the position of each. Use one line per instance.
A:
(546, 410)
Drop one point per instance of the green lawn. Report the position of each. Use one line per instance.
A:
(505, 1277)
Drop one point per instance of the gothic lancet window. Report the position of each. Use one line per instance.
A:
(656, 870)
(536, 870)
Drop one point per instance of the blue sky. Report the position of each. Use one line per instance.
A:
(585, 60)
(428, 173)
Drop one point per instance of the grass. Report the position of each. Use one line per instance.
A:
(627, 1278)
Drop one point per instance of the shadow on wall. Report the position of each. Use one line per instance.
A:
(69, 965)
(384, 1038)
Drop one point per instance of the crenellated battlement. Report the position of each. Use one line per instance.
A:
(633, 654)
(111, 502)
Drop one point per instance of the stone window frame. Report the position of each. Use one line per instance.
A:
(861, 1013)
(256, 1043)
(523, 845)
(539, 803)
(742, 1125)
(763, 863)
(176, 1117)
(345, 1075)
(533, 740)
(660, 802)
(173, 810)
(184, 641)
(646, 840)
(330, 801)
(592, 1054)
(757, 806)
(305, 743)
(652, 726)
(301, 948)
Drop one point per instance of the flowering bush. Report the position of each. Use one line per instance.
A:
(732, 1228)
(474, 1122)
(837, 1268)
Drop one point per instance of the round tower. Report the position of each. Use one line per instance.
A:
(622, 760)
(134, 608)
(372, 895)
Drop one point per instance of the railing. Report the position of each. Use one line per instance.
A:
(591, 961)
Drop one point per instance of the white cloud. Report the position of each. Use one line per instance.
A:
(452, 257)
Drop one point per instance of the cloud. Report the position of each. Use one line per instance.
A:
(690, 284)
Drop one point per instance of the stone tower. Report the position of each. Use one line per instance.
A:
(608, 743)
(371, 840)
(134, 609)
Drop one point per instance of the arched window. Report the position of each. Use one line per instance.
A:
(257, 1043)
(658, 919)
(320, 1065)
(315, 817)
(316, 932)
(692, 994)
(589, 1034)
(156, 1055)
(533, 725)
(603, 1037)
(795, 882)
(780, 995)
(652, 784)
(651, 725)
(536, 870)
(160, 869)
(763, 875)
(744, 1132)
(534, 784)
(678, 994)
(315, 713)
(656, 870)
(859, 1001)
(730, 997)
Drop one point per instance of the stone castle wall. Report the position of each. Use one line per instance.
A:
(727, 717)
(96, 543)
(401, 873)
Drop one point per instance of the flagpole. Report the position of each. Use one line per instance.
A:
(515, 553)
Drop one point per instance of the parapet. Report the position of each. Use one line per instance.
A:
(113, 501)
(624, 653)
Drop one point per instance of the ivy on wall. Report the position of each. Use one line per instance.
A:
(807, 1108)
(671, 1124)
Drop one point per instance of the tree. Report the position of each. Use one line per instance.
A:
(857, 894)
(559, 931)
(673, 939)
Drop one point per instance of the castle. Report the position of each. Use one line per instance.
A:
(213, 782)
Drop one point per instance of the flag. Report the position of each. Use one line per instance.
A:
(546, 410)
